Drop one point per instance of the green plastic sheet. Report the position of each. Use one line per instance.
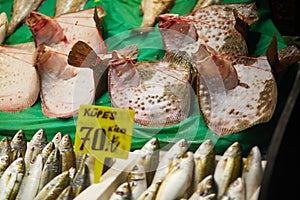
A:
(121, 16)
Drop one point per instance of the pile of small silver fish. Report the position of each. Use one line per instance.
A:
(183, 174)
(39, 169)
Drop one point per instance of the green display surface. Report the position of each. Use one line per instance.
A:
(121, 16)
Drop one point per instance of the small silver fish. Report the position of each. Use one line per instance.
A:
(68, 158)
(31, 180)
(52, 168)
(11, 179)
(47, 151)
(68, 6)
(175, 151)
(20, 11)
(252, 171)
(204, 161)
(57, 138)
(228, 168)
(3, 26)
(35, 147)
(151, 9)
(81, 179)
(149, 158)
(5, 148)
(18, 145)
(55, 187)
(179, 179)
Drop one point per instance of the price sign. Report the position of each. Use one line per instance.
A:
(104, 131)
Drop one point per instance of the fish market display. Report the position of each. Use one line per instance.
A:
(41, 171)
(20, 11)
(151, 9)
(68, 6)
(227, 176)
(234, 92)
(3, 26)
(16, 68)
(54, 37)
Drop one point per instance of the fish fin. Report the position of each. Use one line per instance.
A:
(240, 25)
(98, 21)
(272, 54)
(82, 55)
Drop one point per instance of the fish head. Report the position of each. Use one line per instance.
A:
(151, 145)
(66, 142)
(18, 139)
(137, 173)
(40, 136)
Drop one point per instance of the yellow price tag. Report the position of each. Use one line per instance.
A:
(104, 131)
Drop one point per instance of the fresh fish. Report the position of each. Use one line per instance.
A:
(35, 147)
(151, 9)
(68, 6)
(137, 180)
(11, 179)
(205, 188)
(62, 32)
(3, 26)
(158, 91)
(55, 187)
(52, 168)
(55, 37)
(204, 161)
(4, 163)
(175, 151)
(18, 145)
(150, 192)
(20, 11)
(122, 192)
(252, 173)
(31, 180)
(205, 3)
(16, 68)
(67, 154)
(47, 151)
(228, 168)
(57, 138)
(81, 179)
(236, 190)
(66, 194)
(178, 180)
(223, 71)
(218, 26)
(5, 148)
(149, 158)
